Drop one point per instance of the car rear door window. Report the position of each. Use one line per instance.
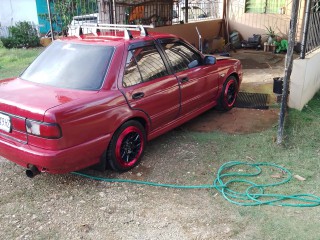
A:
(181, 57)
(143, 64)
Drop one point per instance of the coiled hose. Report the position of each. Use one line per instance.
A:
(253, 195)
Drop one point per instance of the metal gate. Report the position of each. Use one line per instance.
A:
(311, 36)
(68, 13)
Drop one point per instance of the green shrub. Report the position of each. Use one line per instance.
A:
(23, 34)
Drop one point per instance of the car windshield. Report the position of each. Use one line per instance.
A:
(70, 65)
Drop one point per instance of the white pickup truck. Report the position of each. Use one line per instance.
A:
(80, 20)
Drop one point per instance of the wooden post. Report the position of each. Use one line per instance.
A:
(50, 20)
(305, 30)
(186, 13)
(114, 14)
(288, 69)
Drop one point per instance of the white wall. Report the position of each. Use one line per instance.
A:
(305, 80)
(255, 23)
(12, 11)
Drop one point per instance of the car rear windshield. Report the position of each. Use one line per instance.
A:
(70, 65)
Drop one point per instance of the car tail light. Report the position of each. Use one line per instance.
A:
(42, 129)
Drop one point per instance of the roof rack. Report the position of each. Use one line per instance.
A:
(116, 27)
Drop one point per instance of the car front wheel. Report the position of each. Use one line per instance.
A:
(127, 146)
(228, 95)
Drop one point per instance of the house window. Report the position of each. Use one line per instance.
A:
(316, 6)
(265, 6)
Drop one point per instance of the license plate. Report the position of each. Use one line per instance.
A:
(5, 123)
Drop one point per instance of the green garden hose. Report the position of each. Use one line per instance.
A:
(228, 179)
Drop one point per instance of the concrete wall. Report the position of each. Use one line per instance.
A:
(249, 23)
(305, 80)
(208, 30)
(12, 11)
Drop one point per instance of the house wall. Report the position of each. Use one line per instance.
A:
(208, 30)
(255, 23)
(13, 11)
(305, 80)
(44, 24)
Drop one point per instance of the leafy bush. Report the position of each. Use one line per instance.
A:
(23, 34)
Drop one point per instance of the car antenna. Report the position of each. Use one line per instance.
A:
(200, 40)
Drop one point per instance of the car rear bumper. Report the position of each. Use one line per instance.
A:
(61, 161)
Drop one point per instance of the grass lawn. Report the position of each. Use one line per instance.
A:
(300, 154)
(14, 61)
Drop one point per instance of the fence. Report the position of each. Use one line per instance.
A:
(311, 36)
(65, 14)
(201, 10)
(4, 31)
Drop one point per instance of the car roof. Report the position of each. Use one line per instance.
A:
(116, 38)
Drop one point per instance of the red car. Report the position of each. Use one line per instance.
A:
(97, 99)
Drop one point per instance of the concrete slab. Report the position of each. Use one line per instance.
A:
(259, 69)
(259, 66)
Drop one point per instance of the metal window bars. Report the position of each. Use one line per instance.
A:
(96, 28)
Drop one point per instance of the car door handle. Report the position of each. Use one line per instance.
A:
(138, 95)
(184, 79)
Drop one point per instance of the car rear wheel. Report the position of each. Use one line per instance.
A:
(127, 146)
(229, 94)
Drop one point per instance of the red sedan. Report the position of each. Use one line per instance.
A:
(97, 99)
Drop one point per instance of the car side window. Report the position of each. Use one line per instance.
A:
(181, 57)
(143, 64)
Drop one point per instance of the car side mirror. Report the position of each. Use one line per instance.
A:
(210, 60)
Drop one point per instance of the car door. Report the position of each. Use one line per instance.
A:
(149, 86)
(199, 83)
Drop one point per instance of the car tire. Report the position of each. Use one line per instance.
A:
(229, 94)
(127, 146)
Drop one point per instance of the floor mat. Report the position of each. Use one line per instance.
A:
(252, 100)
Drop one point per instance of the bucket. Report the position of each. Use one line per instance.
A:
(277, 85)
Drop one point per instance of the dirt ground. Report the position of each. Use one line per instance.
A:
(71, 207)
(238, 120)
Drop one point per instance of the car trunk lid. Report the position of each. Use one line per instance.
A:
(21, 100)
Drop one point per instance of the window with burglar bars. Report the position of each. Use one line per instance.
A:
(265, 6)
(316, 6)
(313, 37)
